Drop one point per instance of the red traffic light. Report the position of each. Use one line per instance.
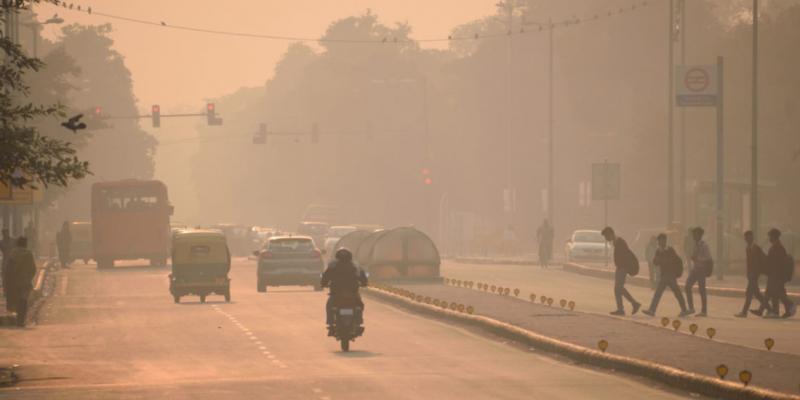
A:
(210, 107)
(98, 110)
(428, 181)
(156, 109)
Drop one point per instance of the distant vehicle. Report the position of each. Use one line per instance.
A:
(586, 245)
(130, 221)
(316, 230)
(81, 248)
(334, 234)
(289, 260)
(322, 213)
(200, 265)
(241, 238)
(175, 226)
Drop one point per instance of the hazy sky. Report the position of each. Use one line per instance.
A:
(179, 69)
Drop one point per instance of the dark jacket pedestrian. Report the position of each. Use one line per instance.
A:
(670, 266)
(701, 267)
(755, 267)
(776, 265)
(64, 244)
(623, 261)
(20, 278)
(649, 255)
(545, 235)
(6, 246)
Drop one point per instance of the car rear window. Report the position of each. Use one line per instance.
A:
(291, 246)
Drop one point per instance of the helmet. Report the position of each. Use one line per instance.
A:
(344, 255)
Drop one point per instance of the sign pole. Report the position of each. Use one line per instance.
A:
(605, 208)
(670, 119)
(720, 169)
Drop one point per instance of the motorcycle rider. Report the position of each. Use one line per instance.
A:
(344, 278)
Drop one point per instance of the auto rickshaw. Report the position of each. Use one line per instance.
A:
(81, 248)
(200, 264)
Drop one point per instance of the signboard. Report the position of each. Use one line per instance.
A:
(19, 196)
(5, 191)
(696, 85)
(606, 181)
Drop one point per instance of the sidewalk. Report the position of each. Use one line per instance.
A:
(697, 354)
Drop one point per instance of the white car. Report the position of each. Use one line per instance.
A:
(334, 234)
(587, 245)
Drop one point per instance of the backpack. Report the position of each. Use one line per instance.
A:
(633, 264)
(789, 267)
(677, 263)
(706, 268)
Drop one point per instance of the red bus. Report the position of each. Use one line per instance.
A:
(130, 221)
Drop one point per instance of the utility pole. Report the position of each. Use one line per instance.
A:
(670, 145)
(682, 178)
(754, 133)
(720, 169)
(550, 205)
(508, 108)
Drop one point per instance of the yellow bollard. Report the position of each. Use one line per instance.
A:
(693, 328)
(769, 342)
(516, 292)
(602, 345)
(676, 324)
(664, 322)
(711, 332)
(461, 308)
(533, 297)
(722, 371)
(446, 281)
(470, 310)
(543, 299)
(745, 377)
(563, 303)
(494, 288)
(550, 301)
(571, 305)
(444, 304)
(506, 291)
(427, 300)
(436, 302)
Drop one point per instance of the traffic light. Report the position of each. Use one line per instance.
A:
(314, 133)
(211, 115)
(156, 115)
(260, 137)
(98, 112)
(426, 176)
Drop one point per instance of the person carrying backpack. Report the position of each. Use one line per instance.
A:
(626, 264)
(670, 265)
(702, 267)
(755, 267)
(779, 268)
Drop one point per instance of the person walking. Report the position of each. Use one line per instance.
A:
(755, 267)
(64, 244)
(6, 245)
(626, 264)
(21, 272)
(779, 268)
(670, 265)
(702, 267)
(545, 235)
(649, 254)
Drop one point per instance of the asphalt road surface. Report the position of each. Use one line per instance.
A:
(117, 334)
(596, 295)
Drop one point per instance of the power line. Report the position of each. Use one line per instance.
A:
(542, 26)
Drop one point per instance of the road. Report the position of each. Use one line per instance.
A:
(596, 295)
(117, 334)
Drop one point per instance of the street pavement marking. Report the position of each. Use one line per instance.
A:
(261, 347)
(316, 390)
(62, 287)
(249, 334)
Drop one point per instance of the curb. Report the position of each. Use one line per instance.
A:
(673, 377)
(644, 282)
(8, 377)
(483, 261)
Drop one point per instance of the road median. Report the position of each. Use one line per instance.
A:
(574, 335)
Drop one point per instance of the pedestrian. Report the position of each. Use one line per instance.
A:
(545, 235)
(670, 266)
(649, 254)
(779, 267)
(755, 258)
(20, 276)
(6, 245)
(701, 268)
(64, 244)
(626, 264)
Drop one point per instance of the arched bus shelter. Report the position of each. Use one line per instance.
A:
(400, 253)
(351, 241)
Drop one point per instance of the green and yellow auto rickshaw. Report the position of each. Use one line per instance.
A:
(200, 264)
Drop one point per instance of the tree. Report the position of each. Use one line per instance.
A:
(28, 158)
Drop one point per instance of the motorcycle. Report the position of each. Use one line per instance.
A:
(348, 317)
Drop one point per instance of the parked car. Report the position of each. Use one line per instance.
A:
(289, 260)
(334, 234)
(586, 245)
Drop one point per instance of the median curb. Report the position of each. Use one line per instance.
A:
(673, 377)
(644, 282)
(498, 261)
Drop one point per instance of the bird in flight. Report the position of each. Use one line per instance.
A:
(74, 123)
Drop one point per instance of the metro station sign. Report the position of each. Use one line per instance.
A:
(696, 85)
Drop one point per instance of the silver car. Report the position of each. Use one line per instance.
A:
(586, 245)
(289, 260)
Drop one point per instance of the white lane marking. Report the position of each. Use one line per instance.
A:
(325, 398)
(258, 342)
(271, 357)
(262, 348)
(316, 390)
(62, 289)
(252, 337)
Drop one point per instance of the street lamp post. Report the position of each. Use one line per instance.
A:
(35, 26)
